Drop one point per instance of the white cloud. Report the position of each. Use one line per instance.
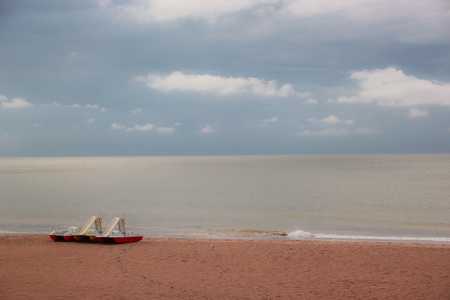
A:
(167, 10)
(410, 21)
(325, 132)
(334, 132)
(3, 98)
(16, 103)
(310, 102)
(333, 127)
(312, 120)
(319, 7)
(146, 127)
(73, 55)
(330, 120)
(216, 84)
(177, 124)
(391, 87)
(90, 121)
(164, 129)
(136, 111)
(417, 113)
(53, 104)
(117, 126)
(208, 129)
(59, 105)
(269, 121)
(94, 106)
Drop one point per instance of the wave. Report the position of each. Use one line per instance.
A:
(252, 232)
(300, 234)
(6, 232)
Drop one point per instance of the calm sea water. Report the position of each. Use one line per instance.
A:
(393, 197)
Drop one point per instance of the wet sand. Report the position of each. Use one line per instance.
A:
(35, 267)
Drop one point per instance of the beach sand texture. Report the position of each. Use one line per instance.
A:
(34, 267)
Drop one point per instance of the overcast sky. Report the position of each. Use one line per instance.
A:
(213, 77)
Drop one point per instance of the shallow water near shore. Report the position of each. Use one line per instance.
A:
(351, 197)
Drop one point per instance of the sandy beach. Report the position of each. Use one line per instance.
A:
(35, 267)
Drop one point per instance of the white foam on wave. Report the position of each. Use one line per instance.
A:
(300, 234)
(6, 232)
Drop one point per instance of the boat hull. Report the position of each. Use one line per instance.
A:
(119, 240)
(57, 238)
(105, 240)
(127, 239)
(68, 238)
(63, 235)
(81, 238)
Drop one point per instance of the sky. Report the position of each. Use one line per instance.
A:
(234, 77)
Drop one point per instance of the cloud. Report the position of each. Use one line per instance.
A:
(94, 106)
(73, 55)
(417, 113)
(90, 121)
(333, 132)
(59, 105)
(268, 121)
(53, 104)
(15, 103)
(325, 132)
(310, 102)
(330, 120)
(117, 126)
(178, 81)
(164, 129)
(136, 111)
(391, 87)
(3, 98)
(146, 127)
(412, 21)
(338, 128)
(208, 129)
(167, 10)
(319, 7)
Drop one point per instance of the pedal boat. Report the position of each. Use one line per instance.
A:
(87, 234)
(118, 236)
(64, 235)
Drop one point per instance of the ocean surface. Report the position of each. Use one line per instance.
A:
(401, 197)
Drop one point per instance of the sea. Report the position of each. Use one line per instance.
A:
(398, 197)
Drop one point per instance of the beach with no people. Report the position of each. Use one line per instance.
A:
(35, 267)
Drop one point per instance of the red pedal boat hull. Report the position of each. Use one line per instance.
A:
(127, 239)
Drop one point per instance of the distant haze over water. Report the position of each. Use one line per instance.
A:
(400, 197)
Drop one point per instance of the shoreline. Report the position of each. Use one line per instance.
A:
(33, 266)
(283, 236)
